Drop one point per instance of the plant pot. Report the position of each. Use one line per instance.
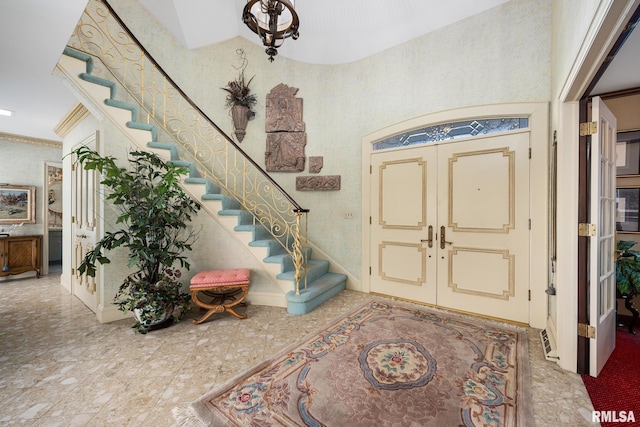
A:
(240, 116)
(155, 320)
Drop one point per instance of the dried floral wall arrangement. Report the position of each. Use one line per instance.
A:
(240, 99)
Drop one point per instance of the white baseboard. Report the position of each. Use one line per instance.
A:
(111, 314)
(266, 298)
(65, 282)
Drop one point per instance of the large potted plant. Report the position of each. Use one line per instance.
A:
(628, 277)
(241, 101)
(154, 215)
(627, 268)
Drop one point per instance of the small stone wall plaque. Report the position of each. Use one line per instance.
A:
(315, 164)
(318, 183)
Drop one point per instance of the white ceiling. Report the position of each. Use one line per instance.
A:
(331, 31)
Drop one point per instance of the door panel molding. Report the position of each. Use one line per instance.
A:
(507, 292)
(401, 250)
(394, 197)
(504, 211)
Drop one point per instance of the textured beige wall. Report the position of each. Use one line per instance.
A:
(571, 21)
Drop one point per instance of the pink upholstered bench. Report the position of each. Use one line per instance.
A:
(227, 288)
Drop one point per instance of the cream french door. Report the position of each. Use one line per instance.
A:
(404, 207)
(602, 245)
(483, 212)
(450, 225)
(85, 184)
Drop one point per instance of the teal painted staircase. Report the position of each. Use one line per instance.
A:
(321, 284)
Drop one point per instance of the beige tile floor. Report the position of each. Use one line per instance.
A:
(60, 367)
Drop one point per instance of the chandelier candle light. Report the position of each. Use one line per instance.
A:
(273, 21)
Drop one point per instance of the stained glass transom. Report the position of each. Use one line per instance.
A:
(446, 131)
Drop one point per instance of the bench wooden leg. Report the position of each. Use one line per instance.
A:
(220, 294)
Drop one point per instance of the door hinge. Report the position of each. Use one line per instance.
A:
(370, 221)
(73, 167)
(529, 224)
(586, 331)
(370, 169)
(73, 271)
(73, 219)
(588, 128)
(529, 294)
(369, 271)
(529, 153)
(586, 230)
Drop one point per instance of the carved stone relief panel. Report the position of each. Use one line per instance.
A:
(315, 164)
(317, 183)
(285, 151)
(284, 110)
(286, 138)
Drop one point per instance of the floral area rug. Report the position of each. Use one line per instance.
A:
(384, 364)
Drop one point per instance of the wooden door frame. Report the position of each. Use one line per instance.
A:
(584, 146)
(583, 242)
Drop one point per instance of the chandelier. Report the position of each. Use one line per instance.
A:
(273, 21)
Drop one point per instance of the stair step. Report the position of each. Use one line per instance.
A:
(258, 231)
(274, 247)
(244, 217)
(99, 81)
(185, 164)
(123, 106)
(316, 293)
(165, 146)
(144, 126)
(213, 191)
(315, 269)
(284, 259)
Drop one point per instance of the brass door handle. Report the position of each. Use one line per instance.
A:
(443, 240)
(429, 240)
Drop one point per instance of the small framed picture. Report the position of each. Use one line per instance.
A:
(17, 204)
(628, 153)
(628, 209)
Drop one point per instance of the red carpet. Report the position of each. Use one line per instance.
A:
(617, 388)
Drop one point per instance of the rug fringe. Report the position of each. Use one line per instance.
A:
(187, 417)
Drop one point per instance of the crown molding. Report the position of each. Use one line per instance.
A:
(30, 140)
(78, 113)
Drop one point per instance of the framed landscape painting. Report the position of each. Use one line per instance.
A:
(17, 204)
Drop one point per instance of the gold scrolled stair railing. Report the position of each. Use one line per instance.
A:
(102, 34)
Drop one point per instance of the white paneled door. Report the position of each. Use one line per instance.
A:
(85, 184)
(602, 244)
(450, 225)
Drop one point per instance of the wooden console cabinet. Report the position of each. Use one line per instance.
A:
(19, 254)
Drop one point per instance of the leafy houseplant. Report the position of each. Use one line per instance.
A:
(154, 212)
(627, 269)
(241, 101)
